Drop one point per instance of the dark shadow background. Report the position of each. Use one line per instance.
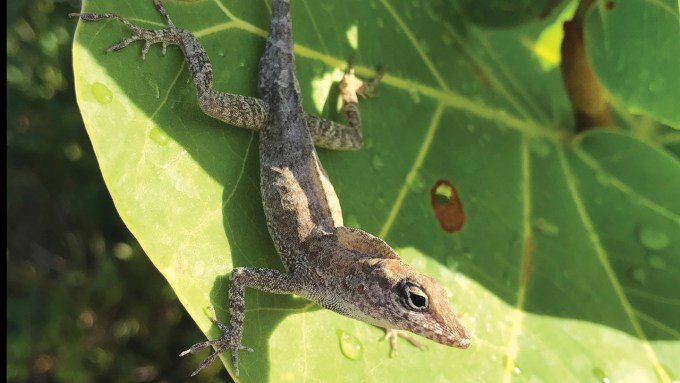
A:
(84, 303)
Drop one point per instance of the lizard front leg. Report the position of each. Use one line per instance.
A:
(237, 110)
(392, 335)
(268, 280)
(234, 109)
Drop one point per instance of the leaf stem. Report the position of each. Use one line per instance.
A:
(587, 97)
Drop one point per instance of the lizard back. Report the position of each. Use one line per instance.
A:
(299, 201)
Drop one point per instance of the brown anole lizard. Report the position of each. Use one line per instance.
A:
(343, 269)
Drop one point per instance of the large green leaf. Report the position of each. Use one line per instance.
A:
(634, 47)
(565, 270)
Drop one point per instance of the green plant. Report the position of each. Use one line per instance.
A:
(566, 265)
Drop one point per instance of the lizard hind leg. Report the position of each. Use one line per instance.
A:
(166, 36)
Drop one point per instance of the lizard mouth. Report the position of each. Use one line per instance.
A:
(449, 332)
(457, 337)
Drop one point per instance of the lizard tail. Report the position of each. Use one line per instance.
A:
(277, 64)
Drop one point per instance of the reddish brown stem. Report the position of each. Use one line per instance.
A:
(589, 105)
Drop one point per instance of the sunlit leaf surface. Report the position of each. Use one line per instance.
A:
(567, 265)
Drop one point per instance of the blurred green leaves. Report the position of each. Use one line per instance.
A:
(83, 304)
(634, 48)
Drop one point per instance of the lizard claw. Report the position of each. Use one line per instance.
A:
(145, 49)
(166, 36)
(228, 340)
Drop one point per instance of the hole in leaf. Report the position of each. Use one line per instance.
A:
(447, 206)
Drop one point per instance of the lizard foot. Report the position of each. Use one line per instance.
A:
(229, 340)
(166, 36)
(351, 86)
(393, 334)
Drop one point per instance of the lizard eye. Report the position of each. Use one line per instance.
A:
(412, 296)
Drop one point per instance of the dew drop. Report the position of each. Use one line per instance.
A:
(415, 95)
(102, 93)
(543, 226)
(539, 147)
(377, 162)
(638, 275)
(350, 346)
(600, 375)
(656, 262)
(653, 238)
(158, 136)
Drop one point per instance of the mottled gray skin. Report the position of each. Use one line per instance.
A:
(343, 269)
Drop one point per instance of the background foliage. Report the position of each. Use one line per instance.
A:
(83, 302)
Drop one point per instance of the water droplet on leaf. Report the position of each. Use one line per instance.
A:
(653, 238)
(102, 93)
(350, 346)
(158, 136)
(638, 274)
(600, 375)
(656, 262)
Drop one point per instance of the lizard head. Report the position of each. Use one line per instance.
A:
(387, 292)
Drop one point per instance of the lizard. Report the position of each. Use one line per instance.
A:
(343, 269)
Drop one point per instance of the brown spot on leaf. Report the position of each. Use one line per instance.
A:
(610, 5)
(447, 206)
